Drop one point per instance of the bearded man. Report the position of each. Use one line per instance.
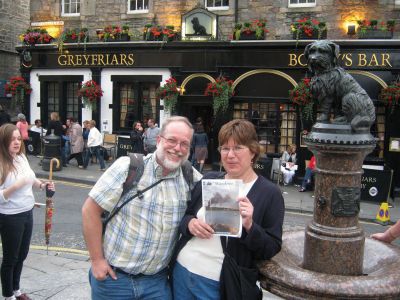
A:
(130, 261)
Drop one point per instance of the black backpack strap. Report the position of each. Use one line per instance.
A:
(187, 171)
(136, 167)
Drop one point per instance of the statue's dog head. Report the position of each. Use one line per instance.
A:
(321, 56)
(195, 21)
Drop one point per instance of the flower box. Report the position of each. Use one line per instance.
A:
(76, 40)
(158, 33)
(314, 36)
(114, 34)
(123, 37)
(254, 30)
(36, 36)
(375, 34)
(251, 36)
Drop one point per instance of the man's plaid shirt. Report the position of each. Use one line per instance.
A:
(141, 237)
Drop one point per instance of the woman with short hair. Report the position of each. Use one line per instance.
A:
(201, 260)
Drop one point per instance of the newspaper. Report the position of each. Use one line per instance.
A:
(221, 206)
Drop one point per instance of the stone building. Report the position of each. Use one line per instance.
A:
(263, 71)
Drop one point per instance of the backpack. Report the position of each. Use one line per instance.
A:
(135, 172)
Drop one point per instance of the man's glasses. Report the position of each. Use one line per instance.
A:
(173, 142)
(236, 149)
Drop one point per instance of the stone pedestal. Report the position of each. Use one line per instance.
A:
(334, 241)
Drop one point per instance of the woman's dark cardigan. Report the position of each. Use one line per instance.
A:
(265, 237)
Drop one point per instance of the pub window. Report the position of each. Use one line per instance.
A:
(53, 98)
(302, 3)
(70, 7)
(217, 4)
(72, 100)
(138, 6)
(378, 131)
(275, 124)
(127, 107)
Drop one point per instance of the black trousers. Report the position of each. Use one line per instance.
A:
(16, 232)
(78, 157)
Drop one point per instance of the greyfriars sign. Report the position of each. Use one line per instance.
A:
(199, 24)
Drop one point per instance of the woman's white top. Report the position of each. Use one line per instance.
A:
(204, 257)
(21, 200)
(95, 138)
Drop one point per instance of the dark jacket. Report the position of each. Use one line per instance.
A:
(265, 237)
(4, 117)
(58, 130)
(137, 141)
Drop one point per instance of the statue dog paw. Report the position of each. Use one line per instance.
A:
(334, 88)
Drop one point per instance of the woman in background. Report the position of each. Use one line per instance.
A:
(288, 162)
(200, 143)
(137, 138)
(23, 127)
(16, 204)
(308, 175)
(95, 140)
(261, 207)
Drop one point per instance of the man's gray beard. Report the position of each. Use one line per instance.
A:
(166, 163)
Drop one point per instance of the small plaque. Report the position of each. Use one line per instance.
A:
(346, 201)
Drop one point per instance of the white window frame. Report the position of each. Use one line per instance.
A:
(308, 4)
(213, 8)
(66, 14)
(137, 11)
(397, 3)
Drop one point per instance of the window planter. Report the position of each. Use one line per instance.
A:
(123, 37)
(314, 36)
(375, 34)
(251, 36)
(76, 40)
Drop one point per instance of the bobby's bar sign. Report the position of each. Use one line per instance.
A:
(349, 60)
(78, 60)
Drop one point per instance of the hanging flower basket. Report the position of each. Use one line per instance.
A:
(90, 92)
(221, 90)
(169, 93)
(301, 97)
(18, 88)
(390, 96)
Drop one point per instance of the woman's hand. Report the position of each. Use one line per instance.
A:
(246, 211)
(200, 229)
(50, 185)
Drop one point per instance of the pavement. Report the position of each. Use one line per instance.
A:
(63, 273)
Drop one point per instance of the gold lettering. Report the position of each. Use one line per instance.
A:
(94, 59)
(61, 60)
(373, 61)
(362, 60)
(348, 61)
(70, 60)
(123, 59)
(79, 60)
(107, 57)
(114, 60)
(385, 60)
(292, 60)
(86, 57)
(131, 60)
(101, 61)
(300, 58)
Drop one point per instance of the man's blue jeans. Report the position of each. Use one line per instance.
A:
(190, 286)
(127, 287)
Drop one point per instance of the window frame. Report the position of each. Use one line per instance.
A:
(64, 14)
(142, 11)
(291, 5)
(215, 8)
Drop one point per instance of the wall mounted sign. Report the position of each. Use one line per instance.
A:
(394, 145)
(199, 24)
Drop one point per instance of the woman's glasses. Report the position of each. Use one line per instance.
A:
(224, 150)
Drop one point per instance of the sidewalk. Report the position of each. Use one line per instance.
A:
(63, 275)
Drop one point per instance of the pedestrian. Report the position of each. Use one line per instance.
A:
(201, 256)
(306, 183)
(23, 127)
(392, 233)
(38, 128)
(150, 136)
(130, 261)
(67, 144)
(76, 142)
(200, 144)
(56, 127)
(95, 141)
(288, 167)
(4, 116)
(137, 138)
(16, 204)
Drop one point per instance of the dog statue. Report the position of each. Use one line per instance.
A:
(198, 28)
(332, 86)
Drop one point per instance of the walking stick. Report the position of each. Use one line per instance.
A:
(49, 205)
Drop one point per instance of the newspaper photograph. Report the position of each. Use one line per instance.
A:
(221, 206)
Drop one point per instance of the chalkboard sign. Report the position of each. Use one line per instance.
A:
(375, 183)
(33, 144)
(124, 146)
(263, 167)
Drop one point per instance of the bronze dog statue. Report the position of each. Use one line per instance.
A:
(332, 86)
(198, 28)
